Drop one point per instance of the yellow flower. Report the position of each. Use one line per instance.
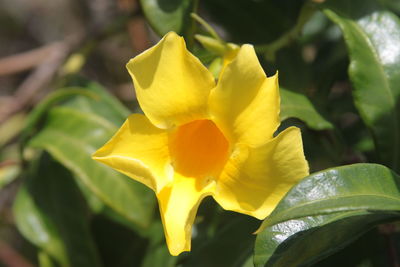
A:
(198, 138)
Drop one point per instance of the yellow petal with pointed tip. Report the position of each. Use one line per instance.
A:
(178, 207)
(255, 179)
(172, 86)
(245, 103)
(139, 150)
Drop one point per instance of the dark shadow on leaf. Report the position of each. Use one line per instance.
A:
(170, 6)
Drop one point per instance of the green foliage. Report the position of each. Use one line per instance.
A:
(327, 209)
(51, 213)
(166, 16)
(297, 105)
(339, 67)
(372, 36)
(73, 131)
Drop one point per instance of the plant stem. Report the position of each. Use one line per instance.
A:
(270, 49)
(207, 26)
(193, 27)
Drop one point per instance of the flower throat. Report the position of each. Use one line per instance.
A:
(198, 148)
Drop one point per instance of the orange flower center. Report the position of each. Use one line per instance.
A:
(198, 148)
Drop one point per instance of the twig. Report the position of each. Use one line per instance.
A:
(136, 24)
(45, 72)
(270, 49)
(11, 258)
(26, 60)
(206, 26)
(192, 28)
(8, 162)
(38, 79)
(138, 33)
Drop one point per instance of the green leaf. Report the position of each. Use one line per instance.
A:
(71, 133)
(105, 106)
(157, 253)
(287, 243)
(8, 174)
(11, 128)
(94, 203)
(159, 256)
(50, 212)
(393, 5)
(297, 105)
(45, 260)
(327, 209)
(368, 250)
(372, 36)
(37, 114)
(168, 15)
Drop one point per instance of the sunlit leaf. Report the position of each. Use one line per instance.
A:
(328, 209)
(297, 105)
(71, 133)
(372, 36)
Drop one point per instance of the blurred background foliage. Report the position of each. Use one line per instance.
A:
(64, 91)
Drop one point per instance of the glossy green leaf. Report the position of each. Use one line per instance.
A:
(327, 209)
(168, 15)
(288, 243)
(297, 105)
(372, 36)
(50, 212)
(71, 133)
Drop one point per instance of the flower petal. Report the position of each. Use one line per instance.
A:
(245, 104)
(178, 207)
(139, 150)
(172, 86)
(255, 179)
